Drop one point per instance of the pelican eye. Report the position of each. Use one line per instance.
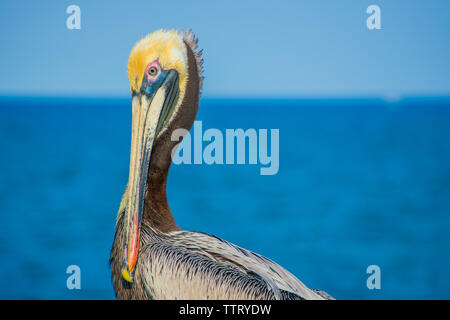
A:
(152, 71)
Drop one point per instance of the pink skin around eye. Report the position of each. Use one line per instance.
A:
(152, 64)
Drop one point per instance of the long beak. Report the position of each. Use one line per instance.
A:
(151, 112)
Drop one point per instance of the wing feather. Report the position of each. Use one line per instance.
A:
(196, 265)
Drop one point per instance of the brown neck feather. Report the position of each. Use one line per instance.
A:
(156, 207)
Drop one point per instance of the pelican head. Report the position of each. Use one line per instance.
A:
(161, 70)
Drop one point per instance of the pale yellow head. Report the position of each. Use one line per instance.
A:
(168, 48)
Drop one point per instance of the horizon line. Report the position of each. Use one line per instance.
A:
(389, 98)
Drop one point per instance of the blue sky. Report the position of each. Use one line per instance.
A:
(310, 48)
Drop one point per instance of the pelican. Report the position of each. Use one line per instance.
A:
(151, 257)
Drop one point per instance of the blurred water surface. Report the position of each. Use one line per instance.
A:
(361, 182)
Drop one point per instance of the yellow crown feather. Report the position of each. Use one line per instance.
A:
(166, 46)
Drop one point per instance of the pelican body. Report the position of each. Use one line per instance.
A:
(151, 257)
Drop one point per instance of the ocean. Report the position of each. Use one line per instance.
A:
(361, 182)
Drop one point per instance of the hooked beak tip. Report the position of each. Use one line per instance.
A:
(127, 275)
